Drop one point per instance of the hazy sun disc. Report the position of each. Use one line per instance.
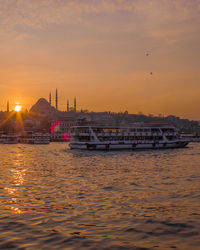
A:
(18, 108)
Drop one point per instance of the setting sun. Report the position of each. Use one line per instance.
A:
(18, 108)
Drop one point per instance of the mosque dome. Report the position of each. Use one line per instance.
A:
(42, 106)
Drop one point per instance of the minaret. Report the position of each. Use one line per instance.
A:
(8, 106)
(67, 105)
(74, 104)
(50, 98)
(56, 99)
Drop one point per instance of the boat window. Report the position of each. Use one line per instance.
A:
(157, 138)
(97, 130)
(83, 138)
(171, 137)
(124, 130)
(82, 130)
(155, 130)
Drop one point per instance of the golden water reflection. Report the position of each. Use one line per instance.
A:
(18, 176)
(17, 173)
(66, 197)
(16, 210)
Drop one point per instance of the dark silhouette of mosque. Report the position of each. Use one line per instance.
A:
(56, 102)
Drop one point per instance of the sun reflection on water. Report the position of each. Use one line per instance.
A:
(10, 190)
(16, 210)
(17, 173)
(18, 176)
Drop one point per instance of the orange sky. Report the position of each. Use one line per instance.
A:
(96, 50)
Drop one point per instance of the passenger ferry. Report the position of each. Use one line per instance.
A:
(106, 138)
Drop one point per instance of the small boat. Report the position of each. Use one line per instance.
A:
(9, 139)
(39, 138)
(35, 138)
(106, 138)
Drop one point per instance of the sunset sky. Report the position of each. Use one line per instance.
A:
(117, 55)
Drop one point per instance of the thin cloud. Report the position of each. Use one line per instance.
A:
(41, 13)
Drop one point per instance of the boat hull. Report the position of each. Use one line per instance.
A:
(41, 142)
(133, 146)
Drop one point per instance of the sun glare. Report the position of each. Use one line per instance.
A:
(18, 108)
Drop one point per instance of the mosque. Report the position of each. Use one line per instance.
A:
(45, 107)
(42, 106)
(56, 102)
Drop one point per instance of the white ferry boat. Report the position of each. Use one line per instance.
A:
(106, 138)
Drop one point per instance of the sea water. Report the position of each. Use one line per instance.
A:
(56, 198)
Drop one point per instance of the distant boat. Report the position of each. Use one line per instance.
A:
(35, 138)
(39, 138)
(9, 138)
(106, 138)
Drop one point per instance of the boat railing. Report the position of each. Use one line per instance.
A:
(169, 133)
(127, 134)
(83, 133)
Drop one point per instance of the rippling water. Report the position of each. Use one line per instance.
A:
(52, 197)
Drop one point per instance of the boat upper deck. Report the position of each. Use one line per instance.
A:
(115, 130)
